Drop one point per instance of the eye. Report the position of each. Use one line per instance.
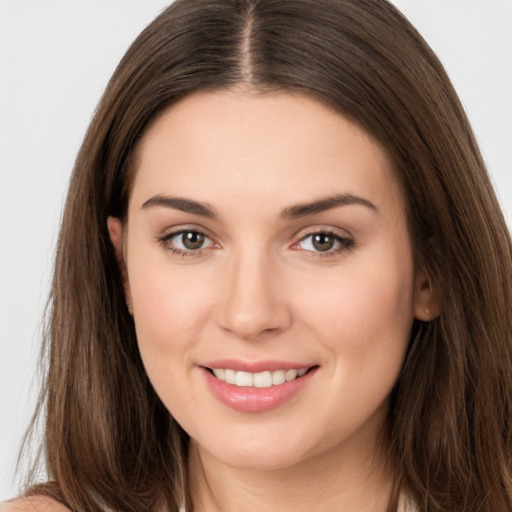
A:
(186, 241)
(324, 242)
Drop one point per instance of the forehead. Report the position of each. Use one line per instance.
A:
(241, 144)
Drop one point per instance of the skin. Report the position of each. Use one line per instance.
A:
(33, 504)
(259, 289)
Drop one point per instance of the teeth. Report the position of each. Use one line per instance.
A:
(291, 374)
(230, 376)
(258, 380)
(278, 377)
(244, 379)
(220, 374)
(262, 380)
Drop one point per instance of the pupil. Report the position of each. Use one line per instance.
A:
(193, 240)
(323, 242)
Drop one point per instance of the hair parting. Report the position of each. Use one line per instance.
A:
(108, 439)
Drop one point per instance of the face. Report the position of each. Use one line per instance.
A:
(270, 270)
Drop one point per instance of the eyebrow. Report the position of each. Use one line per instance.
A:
(182, 204)
(293, 212)
(328, 203)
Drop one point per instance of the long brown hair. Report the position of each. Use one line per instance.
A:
(108, 438)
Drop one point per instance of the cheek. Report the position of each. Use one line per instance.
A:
(362, 298)
(363, 313)
(170, 313)
(170, 304)
(362, 318)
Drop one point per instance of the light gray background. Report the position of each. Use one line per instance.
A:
(55, 59)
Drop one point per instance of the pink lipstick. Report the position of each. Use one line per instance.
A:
(256, 386)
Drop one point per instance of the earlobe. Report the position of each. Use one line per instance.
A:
(115, 231)
(426, 300)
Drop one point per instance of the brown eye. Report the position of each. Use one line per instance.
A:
(323, 242)
(192, 240)
(187, 242)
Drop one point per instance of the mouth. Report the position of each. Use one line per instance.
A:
(257, 386)
(264, 379)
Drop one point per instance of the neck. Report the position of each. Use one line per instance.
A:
(345, 478)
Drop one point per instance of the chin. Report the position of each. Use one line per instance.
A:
(269, 460)
(262, 450)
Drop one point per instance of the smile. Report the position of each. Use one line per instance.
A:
(257, 391)
(264, 379)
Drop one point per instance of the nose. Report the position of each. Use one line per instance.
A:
(253, 302)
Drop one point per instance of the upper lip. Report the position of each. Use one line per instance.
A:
(255, 366)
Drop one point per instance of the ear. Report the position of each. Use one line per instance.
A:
(426, 298)
(115, 231)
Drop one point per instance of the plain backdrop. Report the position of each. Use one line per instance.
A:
(56, 57)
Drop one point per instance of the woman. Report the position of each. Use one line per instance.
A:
(283, 280)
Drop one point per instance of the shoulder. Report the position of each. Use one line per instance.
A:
(33, 504)
(405, 504)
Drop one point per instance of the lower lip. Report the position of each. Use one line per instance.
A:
(251, 399)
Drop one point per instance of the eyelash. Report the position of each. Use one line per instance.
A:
(345, 244)
(165, 242)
